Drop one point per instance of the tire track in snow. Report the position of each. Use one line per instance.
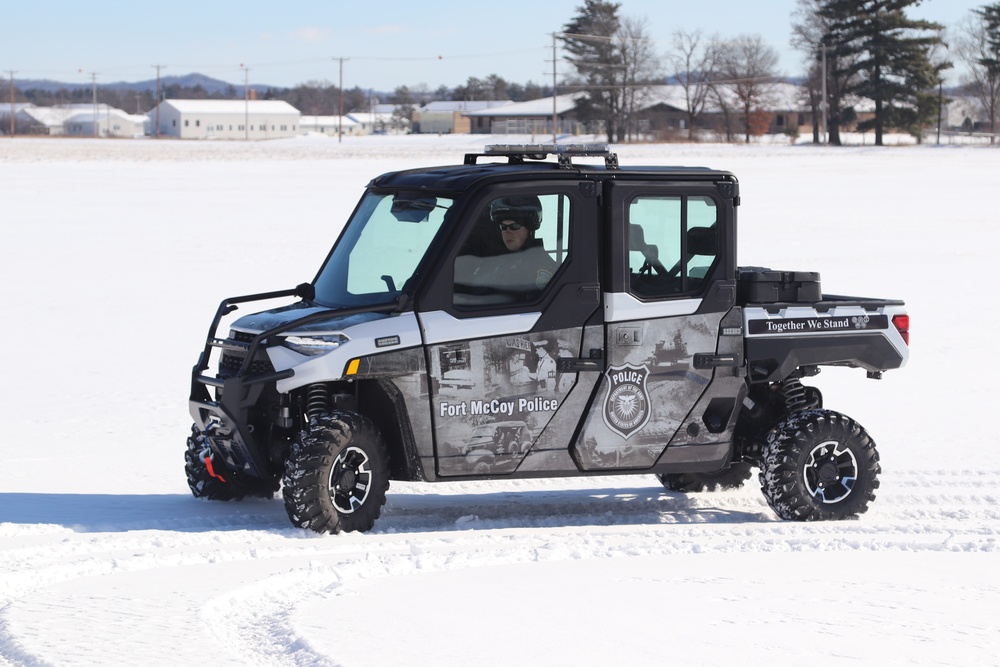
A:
(283, 568)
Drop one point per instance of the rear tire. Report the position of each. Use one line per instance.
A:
(819, 465)
(732, 477)
(337, 475)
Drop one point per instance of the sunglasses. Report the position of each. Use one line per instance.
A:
(514, 226)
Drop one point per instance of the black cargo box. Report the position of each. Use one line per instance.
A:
(761, 285)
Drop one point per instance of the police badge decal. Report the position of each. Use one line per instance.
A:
(626, 405)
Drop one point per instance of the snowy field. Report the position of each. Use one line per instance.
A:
(114, 257)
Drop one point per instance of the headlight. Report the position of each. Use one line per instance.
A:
(314, 345)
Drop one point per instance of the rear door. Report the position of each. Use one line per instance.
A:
(506, 333)
(671, 373)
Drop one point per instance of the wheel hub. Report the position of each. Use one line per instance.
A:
(350, 480)
(830, 471)
(827, 471)
(346, 480)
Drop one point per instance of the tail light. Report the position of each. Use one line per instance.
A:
(902, 324)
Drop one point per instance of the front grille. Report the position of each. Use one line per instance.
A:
(232, 360)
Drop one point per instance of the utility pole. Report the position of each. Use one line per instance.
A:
(340, 96)
(940, 108)
(246, 102)
(93, 78)
(12, 72)
(158, 68)
(822, 104)
(555, 112)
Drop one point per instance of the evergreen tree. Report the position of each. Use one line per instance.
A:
(809, 29)
(615, 66)
(990, 15)
(589, 39)
(890, 54)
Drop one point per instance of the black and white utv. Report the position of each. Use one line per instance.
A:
(515, 316)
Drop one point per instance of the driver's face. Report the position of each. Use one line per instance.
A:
(514, 239)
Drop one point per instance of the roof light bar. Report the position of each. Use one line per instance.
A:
(518, 153)
(581, 150)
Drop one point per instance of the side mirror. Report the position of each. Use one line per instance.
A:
(306, 291)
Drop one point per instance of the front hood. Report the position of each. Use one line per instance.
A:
(276, 317)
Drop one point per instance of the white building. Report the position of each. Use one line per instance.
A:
(446, 117)
(227, 119)
(82, 120)
(530, 117)
(374, 123)
(101, 120)
(330, 125)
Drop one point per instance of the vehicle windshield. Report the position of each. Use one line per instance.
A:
(380, 248)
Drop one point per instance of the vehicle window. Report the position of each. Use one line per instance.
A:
(513, 251)
(380, 249)
(672, 244)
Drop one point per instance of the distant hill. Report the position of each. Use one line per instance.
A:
(211, 85)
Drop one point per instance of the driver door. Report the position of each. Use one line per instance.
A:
(505, 354)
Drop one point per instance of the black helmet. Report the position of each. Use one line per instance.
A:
(525, 209)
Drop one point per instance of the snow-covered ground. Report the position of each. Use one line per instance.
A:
(113, 258)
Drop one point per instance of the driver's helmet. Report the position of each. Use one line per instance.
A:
(523, 209)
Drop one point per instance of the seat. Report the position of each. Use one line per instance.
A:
(650, 253)
(700, 241)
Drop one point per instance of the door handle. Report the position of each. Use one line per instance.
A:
(702, 360)
(595, 362)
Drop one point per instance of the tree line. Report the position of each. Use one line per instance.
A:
(853, 50)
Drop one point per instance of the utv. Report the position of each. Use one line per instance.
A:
(516, 316)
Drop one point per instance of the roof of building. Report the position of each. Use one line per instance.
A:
(47, 116)
(231, 106)
(87, 116)
(18, 107)
(448, 106)
(531, 108)
(370, 118)
(327, 121)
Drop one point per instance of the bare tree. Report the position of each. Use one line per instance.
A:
(692, 61)
(747, 67)
(641, 70)
(974, 48)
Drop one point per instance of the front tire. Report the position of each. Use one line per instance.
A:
(819, 465)
(204, 485)
(732, 477)
(337, 475)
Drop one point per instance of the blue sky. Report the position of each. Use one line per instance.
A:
(388, 42)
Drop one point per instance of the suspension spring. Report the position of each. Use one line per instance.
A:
(317, 400)
(794, 393)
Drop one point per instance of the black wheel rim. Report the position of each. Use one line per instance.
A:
(350, 480)
(830, 472)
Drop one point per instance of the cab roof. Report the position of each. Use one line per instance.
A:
(529, 162)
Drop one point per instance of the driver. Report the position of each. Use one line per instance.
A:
(525, 267)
